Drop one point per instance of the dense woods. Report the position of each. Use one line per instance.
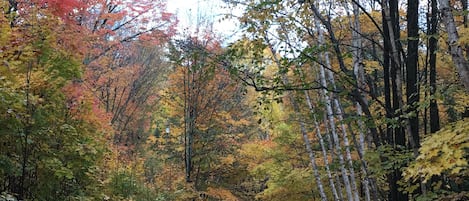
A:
(312, 100)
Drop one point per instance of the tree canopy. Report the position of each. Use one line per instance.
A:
(313, 100)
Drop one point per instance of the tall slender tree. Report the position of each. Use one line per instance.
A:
(456, 51)
(412, 77)
(432, 48)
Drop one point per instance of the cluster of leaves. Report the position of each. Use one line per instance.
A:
(280, 169)
(443, 153)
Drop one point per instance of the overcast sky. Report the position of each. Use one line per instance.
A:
(191, 11)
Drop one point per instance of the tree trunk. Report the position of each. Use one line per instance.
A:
(335, 136)
(323, 147)
(358, 65)
(387, 78)
(331, 147)
(359, 72)
(396, 136)
(462, 65)
(188, 121)
(336, 105)
(310, 151)
(433, 46)
(304, 133)
(412, 67)
(348, 155)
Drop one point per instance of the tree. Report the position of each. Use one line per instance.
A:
(432, 43)
(119, 67)
(51, 142)
(456, 51)
(56, 138)
(207, 109)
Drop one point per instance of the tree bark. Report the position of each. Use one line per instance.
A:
(412, 92)
(335, 136)
(359, 72)
(310, 151)
(339, 113)
(323, 147)
(390, 24)
(456, 51)
(304, 133)
(433, 46)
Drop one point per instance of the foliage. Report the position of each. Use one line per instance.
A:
(48, 150)
(99, 101)
(127, 184)
(206, 114)
(55, 136)
(443, 153)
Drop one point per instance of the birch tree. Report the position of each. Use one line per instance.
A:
(456, 51)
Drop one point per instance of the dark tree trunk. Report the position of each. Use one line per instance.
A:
(392, 67)
(396, 63)
(412, 89)
(387, 79)
(388, 96)
(432, 46)
(412, 67)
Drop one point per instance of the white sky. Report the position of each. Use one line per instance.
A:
(189, 12)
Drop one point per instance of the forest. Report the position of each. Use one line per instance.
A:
(341, 100)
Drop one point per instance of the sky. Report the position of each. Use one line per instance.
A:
(189, 12)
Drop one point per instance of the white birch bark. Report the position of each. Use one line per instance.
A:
(310, 151)
(348, 155)
(323, 147)
(335, 136)
(360, 76)
(462, 65)
(311, 154)
(358, 66)
(330, 115)
(332, 150)
(303, 130)
(330, 102)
